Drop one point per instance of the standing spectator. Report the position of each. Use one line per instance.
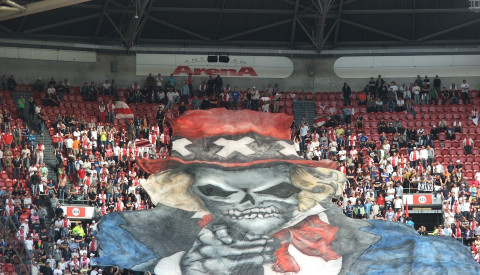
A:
(202, 90)
(111, 112)
(171, 81)
(17, 167)
(424, 156)
(210, 86)
(437, 83)
(379, 84)
(255, 98)
(107, 88)
(159, 83)
(236, 97)
(465, 92)
(414, 157)
(11, 83)
(467, 145)
(347, 94)
(190, 84)
(102, 109)
(39, 85)
(21, 107)
(150, 83)
(303, 134)
(184, 92)
(170, 98)
(218, 85)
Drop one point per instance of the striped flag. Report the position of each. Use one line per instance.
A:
(122, 110)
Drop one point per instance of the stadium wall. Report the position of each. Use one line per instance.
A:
(324, 78)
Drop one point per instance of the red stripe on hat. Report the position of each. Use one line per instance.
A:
(152, 166)
(219, 122)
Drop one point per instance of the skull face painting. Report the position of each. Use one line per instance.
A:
(254, 201)
(234, 198)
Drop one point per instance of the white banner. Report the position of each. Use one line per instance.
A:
(407, 66)
(238, 66)
(425, 186)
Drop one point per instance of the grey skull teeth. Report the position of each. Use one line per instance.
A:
(253, 213)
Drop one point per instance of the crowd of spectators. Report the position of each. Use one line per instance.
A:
(96, 162)
(211, 93)
(402, 161)
(96, 165)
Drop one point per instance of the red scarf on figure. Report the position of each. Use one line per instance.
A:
(311, 236)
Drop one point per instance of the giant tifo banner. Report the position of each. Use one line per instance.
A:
(238, 66)
(235, 198)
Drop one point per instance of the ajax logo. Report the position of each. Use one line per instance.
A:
(76, 211)
(422, 199)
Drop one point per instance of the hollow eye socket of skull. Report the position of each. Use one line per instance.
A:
(221, 183)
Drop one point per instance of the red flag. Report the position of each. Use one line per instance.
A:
(406, 208)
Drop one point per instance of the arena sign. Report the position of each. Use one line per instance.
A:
(197, 65)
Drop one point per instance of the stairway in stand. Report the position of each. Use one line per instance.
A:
(304, 108)
(49, 153)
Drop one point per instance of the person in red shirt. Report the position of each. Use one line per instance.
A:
(7, 139)
(381, 202)
(82, 173)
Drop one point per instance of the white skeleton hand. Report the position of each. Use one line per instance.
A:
(216, 252)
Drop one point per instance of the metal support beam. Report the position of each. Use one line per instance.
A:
(115, 27)
(321, 23)
(329, 33)
(63, 23)
(39, 6)
(3, 8)
(337, 28)
(100, 21)
(449, 29)
(294, 23)
(343, 4)
(406, 11)
(304, 7)
(14, 5)
(144, 21)
(374, 30)
(314, 42)
(219, 21)
(220, 10)
(173, 26)
(132, 28)
(20, 26)
(5, 29)
(256, 29)
(412, 36)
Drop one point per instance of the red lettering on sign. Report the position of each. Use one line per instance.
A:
(182, 70)
(243, 71)
(247, 70)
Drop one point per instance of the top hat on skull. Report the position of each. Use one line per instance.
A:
(241, 167)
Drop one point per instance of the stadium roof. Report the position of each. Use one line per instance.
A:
(273, 24)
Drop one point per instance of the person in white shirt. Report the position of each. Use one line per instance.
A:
(107, 88)
(58, 270)
(342, 154)
(51, 90)
(159, 83)
(171, 99)
(439, 168)
(465, 92)
(424, 156)
(416, 94)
